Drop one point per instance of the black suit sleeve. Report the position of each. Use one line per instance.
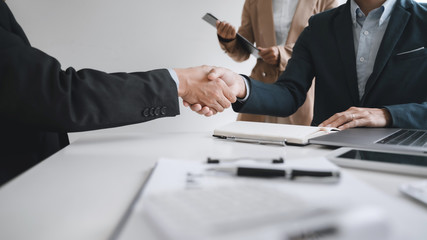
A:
(34, 91)
(285, 96)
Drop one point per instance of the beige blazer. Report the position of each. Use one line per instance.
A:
(258, 27)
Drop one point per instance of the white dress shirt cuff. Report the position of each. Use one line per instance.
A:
(174, 76)
(242, 100)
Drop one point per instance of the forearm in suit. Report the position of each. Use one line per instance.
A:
(411, 115)
(233, 48)
(285, 96)
(285, 53)
(36, 92)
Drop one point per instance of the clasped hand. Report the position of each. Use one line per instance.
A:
(208, 90)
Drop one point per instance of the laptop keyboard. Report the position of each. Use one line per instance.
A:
(416, 138)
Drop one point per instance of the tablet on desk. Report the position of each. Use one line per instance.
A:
(387, 161)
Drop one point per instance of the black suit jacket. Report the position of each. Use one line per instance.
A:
(325, 50)
(40, 103)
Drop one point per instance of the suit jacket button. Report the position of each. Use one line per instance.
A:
(157, 111)
(151, 111)
(163, 111)
(146, 112)
(264, 74)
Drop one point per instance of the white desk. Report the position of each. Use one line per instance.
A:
(82, 191)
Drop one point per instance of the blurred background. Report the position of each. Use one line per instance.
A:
(134, 35)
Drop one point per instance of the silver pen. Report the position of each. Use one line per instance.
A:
(251, 140)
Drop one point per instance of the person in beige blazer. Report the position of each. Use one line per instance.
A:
(258, 27)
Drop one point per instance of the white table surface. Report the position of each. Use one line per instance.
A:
(83, 191)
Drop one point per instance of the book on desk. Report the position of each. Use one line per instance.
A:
(270, 133)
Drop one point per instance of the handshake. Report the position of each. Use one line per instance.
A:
(208, 90)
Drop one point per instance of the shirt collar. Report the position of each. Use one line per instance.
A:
(387, 6)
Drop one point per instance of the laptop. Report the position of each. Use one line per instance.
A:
(406, 140)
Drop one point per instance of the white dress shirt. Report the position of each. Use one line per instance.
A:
(368, 32)
(283, 12)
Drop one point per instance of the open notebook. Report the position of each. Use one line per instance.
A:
(270, 133)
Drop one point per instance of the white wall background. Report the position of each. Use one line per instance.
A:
(133, 35)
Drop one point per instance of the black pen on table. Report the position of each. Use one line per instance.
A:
(287, 173)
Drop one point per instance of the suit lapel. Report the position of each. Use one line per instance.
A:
(266, 23)
(398, 20)
(298, 15)
(345, 44)
(304, 10)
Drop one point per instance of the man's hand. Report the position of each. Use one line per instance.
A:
(196, 88)
(233, 80)
(269, 55)
(226, 30)
(199, 109)
(359, 117)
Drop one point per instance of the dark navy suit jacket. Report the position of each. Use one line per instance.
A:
(40, 103)
(325, 50)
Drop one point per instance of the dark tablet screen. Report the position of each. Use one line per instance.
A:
(395, 158)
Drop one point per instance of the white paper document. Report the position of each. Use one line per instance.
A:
(184, 200)
(181, 200)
